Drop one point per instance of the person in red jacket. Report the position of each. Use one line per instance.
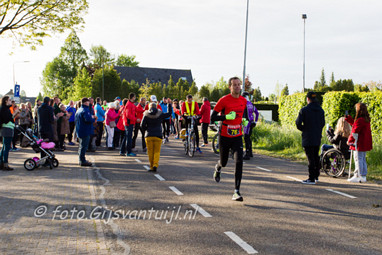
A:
(362, 133)
(129, 120)
(205, 112)
(140, 108)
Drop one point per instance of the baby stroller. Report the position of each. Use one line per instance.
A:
(38, 145)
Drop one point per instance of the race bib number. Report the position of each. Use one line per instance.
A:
(233, 130)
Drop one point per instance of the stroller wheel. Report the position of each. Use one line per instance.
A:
(54, 162)
(29, 164)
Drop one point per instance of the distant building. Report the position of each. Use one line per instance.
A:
(153, 75)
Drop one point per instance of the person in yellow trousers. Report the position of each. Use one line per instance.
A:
(152, 125)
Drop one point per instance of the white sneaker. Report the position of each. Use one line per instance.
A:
(355, 179)
(362, 179)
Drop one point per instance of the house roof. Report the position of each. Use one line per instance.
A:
(140, 74)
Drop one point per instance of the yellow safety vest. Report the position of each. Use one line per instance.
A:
(192, 108)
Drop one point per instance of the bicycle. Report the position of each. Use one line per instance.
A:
(190, 139)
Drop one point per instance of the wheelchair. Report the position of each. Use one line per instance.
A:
(333, 162)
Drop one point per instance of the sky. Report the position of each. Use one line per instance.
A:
(207, 36)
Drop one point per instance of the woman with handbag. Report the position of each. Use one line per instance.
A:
(111, 116)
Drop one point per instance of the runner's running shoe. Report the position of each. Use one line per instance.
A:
(217, 173)
(237, 197)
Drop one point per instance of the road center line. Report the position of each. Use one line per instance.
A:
(138, 160)
(290, 177)
(249, 249)
(159, 177)
(201, 210)
(176, 191)
(146, 167)
(341, 193)
(264, 169)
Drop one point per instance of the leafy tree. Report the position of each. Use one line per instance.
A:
(332, 78)
(39, 97)
(285, 91)
(112, 83)
(72, 53)
(373, 85)
(360, 88)
(343, 85)
(193, 89)
(124, 60)
(215, 95)
(257, 94)
(272, 97)
(100, 56)
(204, 92)
(56, 78)
(322, 79)
(82, 83)
(30, 21)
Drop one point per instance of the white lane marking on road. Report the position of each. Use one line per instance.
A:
(341, 193)
(201, 210)
(146, 167)
(290, 177)
(116, 230)
(176, 191)
(159, 177)
(264, 169)
(138, 160)
(249, 249)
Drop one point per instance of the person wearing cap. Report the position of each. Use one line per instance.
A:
(153, 99)
(191, 108)
(84, 128)
(129, 119)
(310, 121)
(249, 111)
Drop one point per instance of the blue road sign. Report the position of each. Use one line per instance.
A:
(17, 91)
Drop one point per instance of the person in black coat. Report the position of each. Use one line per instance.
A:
(45, 120)
(7, 126)
(311, 120)
(152, 125)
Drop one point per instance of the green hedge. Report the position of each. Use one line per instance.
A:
(289, 108)
(335, 104)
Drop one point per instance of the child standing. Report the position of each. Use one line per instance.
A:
(360, 128)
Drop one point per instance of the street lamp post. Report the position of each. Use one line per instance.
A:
(303, 68)
(14, 80)
(245, 43)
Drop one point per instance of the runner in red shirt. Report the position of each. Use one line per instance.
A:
(231, 108)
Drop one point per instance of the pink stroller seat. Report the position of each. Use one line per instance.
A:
(45, 145)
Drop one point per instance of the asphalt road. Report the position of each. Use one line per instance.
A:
(155, 214)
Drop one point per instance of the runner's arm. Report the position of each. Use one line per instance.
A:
(216, 117)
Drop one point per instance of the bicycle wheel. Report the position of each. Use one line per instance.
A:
(215, 143)
(192, 145)
(333, 163)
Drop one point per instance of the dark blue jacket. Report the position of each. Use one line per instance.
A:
(84, 122)
(45, 120)
(311, 120)
(73, 111)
